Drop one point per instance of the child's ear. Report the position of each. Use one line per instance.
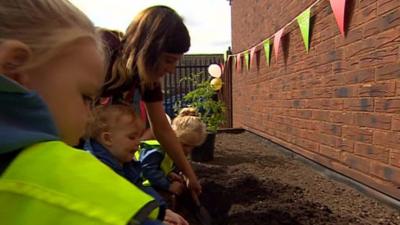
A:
(106, 138)
(13, 55)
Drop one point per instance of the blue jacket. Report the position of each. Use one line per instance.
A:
(24, 120)
(131, 170)
(151, 158)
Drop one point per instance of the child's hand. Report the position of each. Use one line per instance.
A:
(172, 218)
(176, 187)
(175, 177)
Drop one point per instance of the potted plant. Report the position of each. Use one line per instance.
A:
(212, 112)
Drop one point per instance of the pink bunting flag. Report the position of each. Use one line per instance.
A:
(277, 42)
(238, 62)
(252, 56)
(222, 67)
(338, 8)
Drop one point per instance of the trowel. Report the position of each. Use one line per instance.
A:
(201, 213)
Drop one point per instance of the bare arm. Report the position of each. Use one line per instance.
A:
(167, 138)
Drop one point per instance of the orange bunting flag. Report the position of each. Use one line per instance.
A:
(277, 42)
(338, 8)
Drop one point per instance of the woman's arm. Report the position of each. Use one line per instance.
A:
(167, 138)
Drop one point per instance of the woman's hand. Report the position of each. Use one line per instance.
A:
(176, 187)
(194, 185)
(176, 177)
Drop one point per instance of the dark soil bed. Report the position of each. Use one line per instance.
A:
(251, 182)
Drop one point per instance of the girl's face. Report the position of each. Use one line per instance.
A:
(167, 64)
(68, 83)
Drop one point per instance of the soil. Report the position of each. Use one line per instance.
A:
(250, 181)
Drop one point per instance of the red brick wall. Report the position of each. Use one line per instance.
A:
(340, 103)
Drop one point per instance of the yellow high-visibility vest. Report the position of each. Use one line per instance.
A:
(167, 165)
(53, 183)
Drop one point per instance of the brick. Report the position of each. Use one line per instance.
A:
(332, 104)
(310, 135)
(396, 123)
(306, 144)
(387, 72)
(372, 152)
(386, 172)
(351, 37)
(360, 76)
(387, 105)
(395, 157)
(361, 47)
(332, 153)
(342, 67)
(341, 117)
(328, 140)
(357, 134)
(386, 5)
(373, 120)
(304, 114)
(365, 14)
(378, 57)
(331, 56)
(388, 38)
(398, 88)
(387, 139)
(321, 115)
(382, 23)
(344, 92)
(345, 144)
(382, 89)
(323, 92)
(359, 104)
(331, 129)
(355, 162)
(333, 80)
(366, 3)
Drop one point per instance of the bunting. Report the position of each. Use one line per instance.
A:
(304, 24)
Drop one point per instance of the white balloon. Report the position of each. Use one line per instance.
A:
(214, 70)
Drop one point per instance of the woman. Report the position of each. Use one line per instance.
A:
(153, 44)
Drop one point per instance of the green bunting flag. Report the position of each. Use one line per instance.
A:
(267, 50)
(246, 58)
(304, 23)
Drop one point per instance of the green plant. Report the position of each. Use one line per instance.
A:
(204, 99)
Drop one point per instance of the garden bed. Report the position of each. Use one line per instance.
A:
(251, 182)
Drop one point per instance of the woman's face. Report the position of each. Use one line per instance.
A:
(167, 64)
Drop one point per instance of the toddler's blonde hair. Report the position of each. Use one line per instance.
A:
(105, 117)
(189, 128)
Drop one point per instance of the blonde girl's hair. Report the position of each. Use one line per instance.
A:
(189, 128)
(105, 117)
(45, 26)
(155, 30)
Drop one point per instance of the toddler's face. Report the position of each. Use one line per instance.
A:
(125, 138)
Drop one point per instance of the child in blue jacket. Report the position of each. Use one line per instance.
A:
(158, 168)
(114, 138)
